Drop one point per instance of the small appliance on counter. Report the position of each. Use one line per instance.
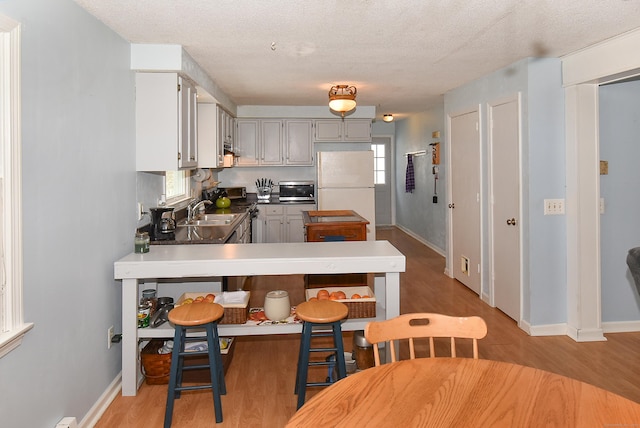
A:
(163, 224)
(297, 191)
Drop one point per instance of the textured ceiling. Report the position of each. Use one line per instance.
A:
(401, 55)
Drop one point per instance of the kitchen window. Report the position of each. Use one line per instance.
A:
(12, 325)
(378, 163)
(177, 186)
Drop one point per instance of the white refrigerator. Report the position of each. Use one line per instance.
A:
(345, 182)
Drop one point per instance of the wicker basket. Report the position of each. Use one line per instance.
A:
(155, 367)
(235, 313)
(358, 308)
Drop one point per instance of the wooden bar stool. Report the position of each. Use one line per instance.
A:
(325, 314)
(196, 315)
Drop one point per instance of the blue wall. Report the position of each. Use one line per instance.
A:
(620, 222)
(78, 210)
(416, 212)
(538, 81)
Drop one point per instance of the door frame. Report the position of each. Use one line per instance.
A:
(582, 74)
(517, 97)
(391, 173)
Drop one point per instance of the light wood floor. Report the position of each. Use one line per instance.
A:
(261, 377)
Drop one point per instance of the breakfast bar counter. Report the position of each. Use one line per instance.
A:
(197, 261)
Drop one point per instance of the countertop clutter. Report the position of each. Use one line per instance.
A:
(236, 229)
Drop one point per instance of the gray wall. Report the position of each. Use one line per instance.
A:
(620, 224)
(78, 204)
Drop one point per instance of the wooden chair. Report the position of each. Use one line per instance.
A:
(424, 325)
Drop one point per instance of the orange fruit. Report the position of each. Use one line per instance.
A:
(312, 298)
(340, 295)
(355, 296)
(366, 296)
(322, 294)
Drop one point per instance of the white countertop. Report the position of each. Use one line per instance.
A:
(175, 261)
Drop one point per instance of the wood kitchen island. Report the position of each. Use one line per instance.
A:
(199, 261)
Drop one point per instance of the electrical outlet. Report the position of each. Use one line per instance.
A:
(140, 211)
(110, 334)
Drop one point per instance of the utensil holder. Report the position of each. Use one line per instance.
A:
(264, 193)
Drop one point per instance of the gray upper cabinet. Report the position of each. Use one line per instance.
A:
(271, 135)
(166, 122)
(247, 140)
(274, 142)
(337, 130)
(210, 148)
(298, 142)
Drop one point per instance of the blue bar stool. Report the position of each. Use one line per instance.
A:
(323, 314)
(196, 315)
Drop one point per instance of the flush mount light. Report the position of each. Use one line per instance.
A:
(342, 98)
(387, 118)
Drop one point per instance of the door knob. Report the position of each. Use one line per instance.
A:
(511, 222)
(452, 205)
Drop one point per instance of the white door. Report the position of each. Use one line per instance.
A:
(465, 200)
(381, 147)
(505, 205)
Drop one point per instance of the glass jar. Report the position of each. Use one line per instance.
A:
(141, 242)
(149, 298)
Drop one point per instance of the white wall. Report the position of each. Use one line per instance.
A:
(79, 210)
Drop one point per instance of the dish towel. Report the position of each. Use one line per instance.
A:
(410, 180)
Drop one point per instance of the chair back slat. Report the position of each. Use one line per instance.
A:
(424, 325)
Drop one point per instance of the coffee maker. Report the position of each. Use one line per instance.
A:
(163, 224)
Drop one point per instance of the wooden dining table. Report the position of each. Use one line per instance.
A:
(463, 392)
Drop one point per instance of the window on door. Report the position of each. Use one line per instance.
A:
(379, 163)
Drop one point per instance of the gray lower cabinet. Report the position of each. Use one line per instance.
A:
(282, 223)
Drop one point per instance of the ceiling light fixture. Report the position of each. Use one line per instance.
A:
(342, 98)
(387, 118)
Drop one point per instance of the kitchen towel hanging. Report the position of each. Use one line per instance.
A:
(410, 179)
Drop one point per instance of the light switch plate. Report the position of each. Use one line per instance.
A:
(554, 207)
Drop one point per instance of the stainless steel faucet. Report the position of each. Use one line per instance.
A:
(193, 208)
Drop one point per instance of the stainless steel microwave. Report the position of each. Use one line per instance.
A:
(297, 191)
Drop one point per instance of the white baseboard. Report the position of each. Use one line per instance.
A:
(422, 240)
(621, 326)
(97, 410)
(545, 330)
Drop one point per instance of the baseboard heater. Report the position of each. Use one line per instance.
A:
(68, 422)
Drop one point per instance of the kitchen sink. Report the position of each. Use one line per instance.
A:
(211, 220)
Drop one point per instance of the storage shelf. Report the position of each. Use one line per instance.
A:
(166, 331)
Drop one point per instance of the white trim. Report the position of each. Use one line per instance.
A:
(422, 240)
(606, 61)
(11, 223)
(621, 326)
(99, 407)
